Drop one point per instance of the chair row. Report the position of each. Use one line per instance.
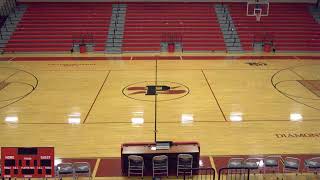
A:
(273, 164)
(160, 165)
(75, 170)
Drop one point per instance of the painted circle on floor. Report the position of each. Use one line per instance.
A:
(300, 84)
(15, 84)
(147, 90)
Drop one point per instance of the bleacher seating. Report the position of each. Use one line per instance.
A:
(290, 27)
(195, 23)
(50, 27)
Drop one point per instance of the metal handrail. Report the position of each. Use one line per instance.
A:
(242, 171)
(264, 38)
(82, 38)
(209, 172)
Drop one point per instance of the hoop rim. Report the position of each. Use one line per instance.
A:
(257, 10)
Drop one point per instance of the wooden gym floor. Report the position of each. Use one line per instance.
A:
(88, 108)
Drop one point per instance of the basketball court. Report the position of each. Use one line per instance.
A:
(235, 105)
(88, 108)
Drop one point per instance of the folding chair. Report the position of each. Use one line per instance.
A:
(271, 163)
(136, 165)
(237, 164)
(291, 165)
(160, 165)
(82, 169)
(184, 164)
(312, 165)
(65, 170)
(253, 164)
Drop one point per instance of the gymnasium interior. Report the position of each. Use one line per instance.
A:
(160, 89)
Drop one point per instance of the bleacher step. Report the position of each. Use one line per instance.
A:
(228, 29)
(116, 29)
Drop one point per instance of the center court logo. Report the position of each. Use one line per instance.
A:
(146, 90)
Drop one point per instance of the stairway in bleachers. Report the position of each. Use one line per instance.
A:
(50, 27)
(289, 26)
(116, 28)
(10, 24)
(228, 29)
(195, 23)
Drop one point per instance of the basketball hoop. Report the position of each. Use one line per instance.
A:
(260, 7)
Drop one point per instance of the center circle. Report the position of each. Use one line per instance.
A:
(147, 90)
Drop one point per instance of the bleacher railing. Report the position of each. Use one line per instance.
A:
(171, 37)
(234, 174)
(200, 173)
(82, 38)
(265, 38)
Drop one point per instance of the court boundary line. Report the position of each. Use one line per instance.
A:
(11, 59)
(171, 57)
(95, 99)
(286, 95)
(179, 122)
(244, 121)
(156, 102)
(95, 169)
(224, 116)
(297, 74)
(4, 80)
(164, 70)
(165, 122)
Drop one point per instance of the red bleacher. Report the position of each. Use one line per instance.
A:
(195, 22)
(290, 26)
(51, 26)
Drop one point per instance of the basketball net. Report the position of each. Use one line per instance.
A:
(258, 17)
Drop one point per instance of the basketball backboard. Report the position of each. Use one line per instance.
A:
(258, 8)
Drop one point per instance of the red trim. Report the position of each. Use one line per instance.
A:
(161, 58)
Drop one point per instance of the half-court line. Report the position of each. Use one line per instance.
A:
(224, 116)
